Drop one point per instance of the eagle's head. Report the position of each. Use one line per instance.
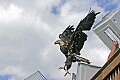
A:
(57, 42)
(60, 42)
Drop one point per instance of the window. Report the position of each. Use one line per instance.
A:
(112, 35)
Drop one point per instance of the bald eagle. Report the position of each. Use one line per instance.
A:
(72, 40)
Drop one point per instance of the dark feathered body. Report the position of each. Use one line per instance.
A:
(64, 50)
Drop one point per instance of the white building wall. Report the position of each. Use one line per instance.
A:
(85, 71)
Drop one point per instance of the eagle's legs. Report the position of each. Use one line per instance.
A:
(67, 72)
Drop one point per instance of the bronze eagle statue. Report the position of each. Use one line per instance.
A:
(72, 40)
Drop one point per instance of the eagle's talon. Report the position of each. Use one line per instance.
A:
(62, 68)
(67, 73)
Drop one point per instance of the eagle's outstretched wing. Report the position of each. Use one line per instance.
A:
(88, 21)
(79, 37)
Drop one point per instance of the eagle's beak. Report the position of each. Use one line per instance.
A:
(55, 42)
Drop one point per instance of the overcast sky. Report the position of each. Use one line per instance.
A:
(28, 29)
